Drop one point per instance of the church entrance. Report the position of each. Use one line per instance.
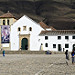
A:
(24, 41)
(24, 44)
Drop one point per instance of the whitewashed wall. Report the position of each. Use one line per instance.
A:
(36, 29)
(53, 39)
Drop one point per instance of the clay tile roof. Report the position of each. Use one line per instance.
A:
(55, 32)
(7, 15)
(44, 26)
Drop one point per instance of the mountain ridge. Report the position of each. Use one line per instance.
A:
(59, 14)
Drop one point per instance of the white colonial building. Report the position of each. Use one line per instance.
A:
(58, 40)
(26, 34)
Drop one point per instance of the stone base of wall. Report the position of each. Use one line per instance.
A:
(30, 52)
(23, 52)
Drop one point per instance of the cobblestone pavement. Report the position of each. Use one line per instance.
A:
(35, 64)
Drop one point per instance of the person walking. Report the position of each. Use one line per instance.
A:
(72, 57)
(67, 56)
(3, 53)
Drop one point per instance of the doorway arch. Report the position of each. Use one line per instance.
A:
(24, 44)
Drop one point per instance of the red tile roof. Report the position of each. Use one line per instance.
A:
(55, 32)
(44, 26)
(7, 15)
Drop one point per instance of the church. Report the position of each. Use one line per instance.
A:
(26, 34)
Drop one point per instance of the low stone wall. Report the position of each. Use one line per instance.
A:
(30, 52)
(23, 52)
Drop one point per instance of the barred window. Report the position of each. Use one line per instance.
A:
(3, 22)
(19, 29)
(46, 44)
(67, 37)
(7, 22)
(66, 45)
(73, 37)
(46, 37)
(30, 28)
(54, 45)
(59, 37)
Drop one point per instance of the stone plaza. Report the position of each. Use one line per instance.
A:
(35, 64)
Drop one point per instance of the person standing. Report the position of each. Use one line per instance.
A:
(41, 48)
(72, 57)
(3, 53)
(67, 56)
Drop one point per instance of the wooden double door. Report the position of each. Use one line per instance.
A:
(24, 44)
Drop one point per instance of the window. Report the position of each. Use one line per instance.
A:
(30, 28)
(7, 22)
(46, 37)
(73, 37)
(3, 22)
(46, 44)
(66, 45)
(67, 37)
(54, 45)
(24, 28)
(19, 29)
(59, 37)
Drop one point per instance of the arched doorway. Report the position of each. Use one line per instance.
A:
(24, 44)
(74, 47)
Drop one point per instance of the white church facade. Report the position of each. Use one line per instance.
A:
(26, 34)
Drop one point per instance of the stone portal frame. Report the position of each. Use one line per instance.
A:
(21, 36)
